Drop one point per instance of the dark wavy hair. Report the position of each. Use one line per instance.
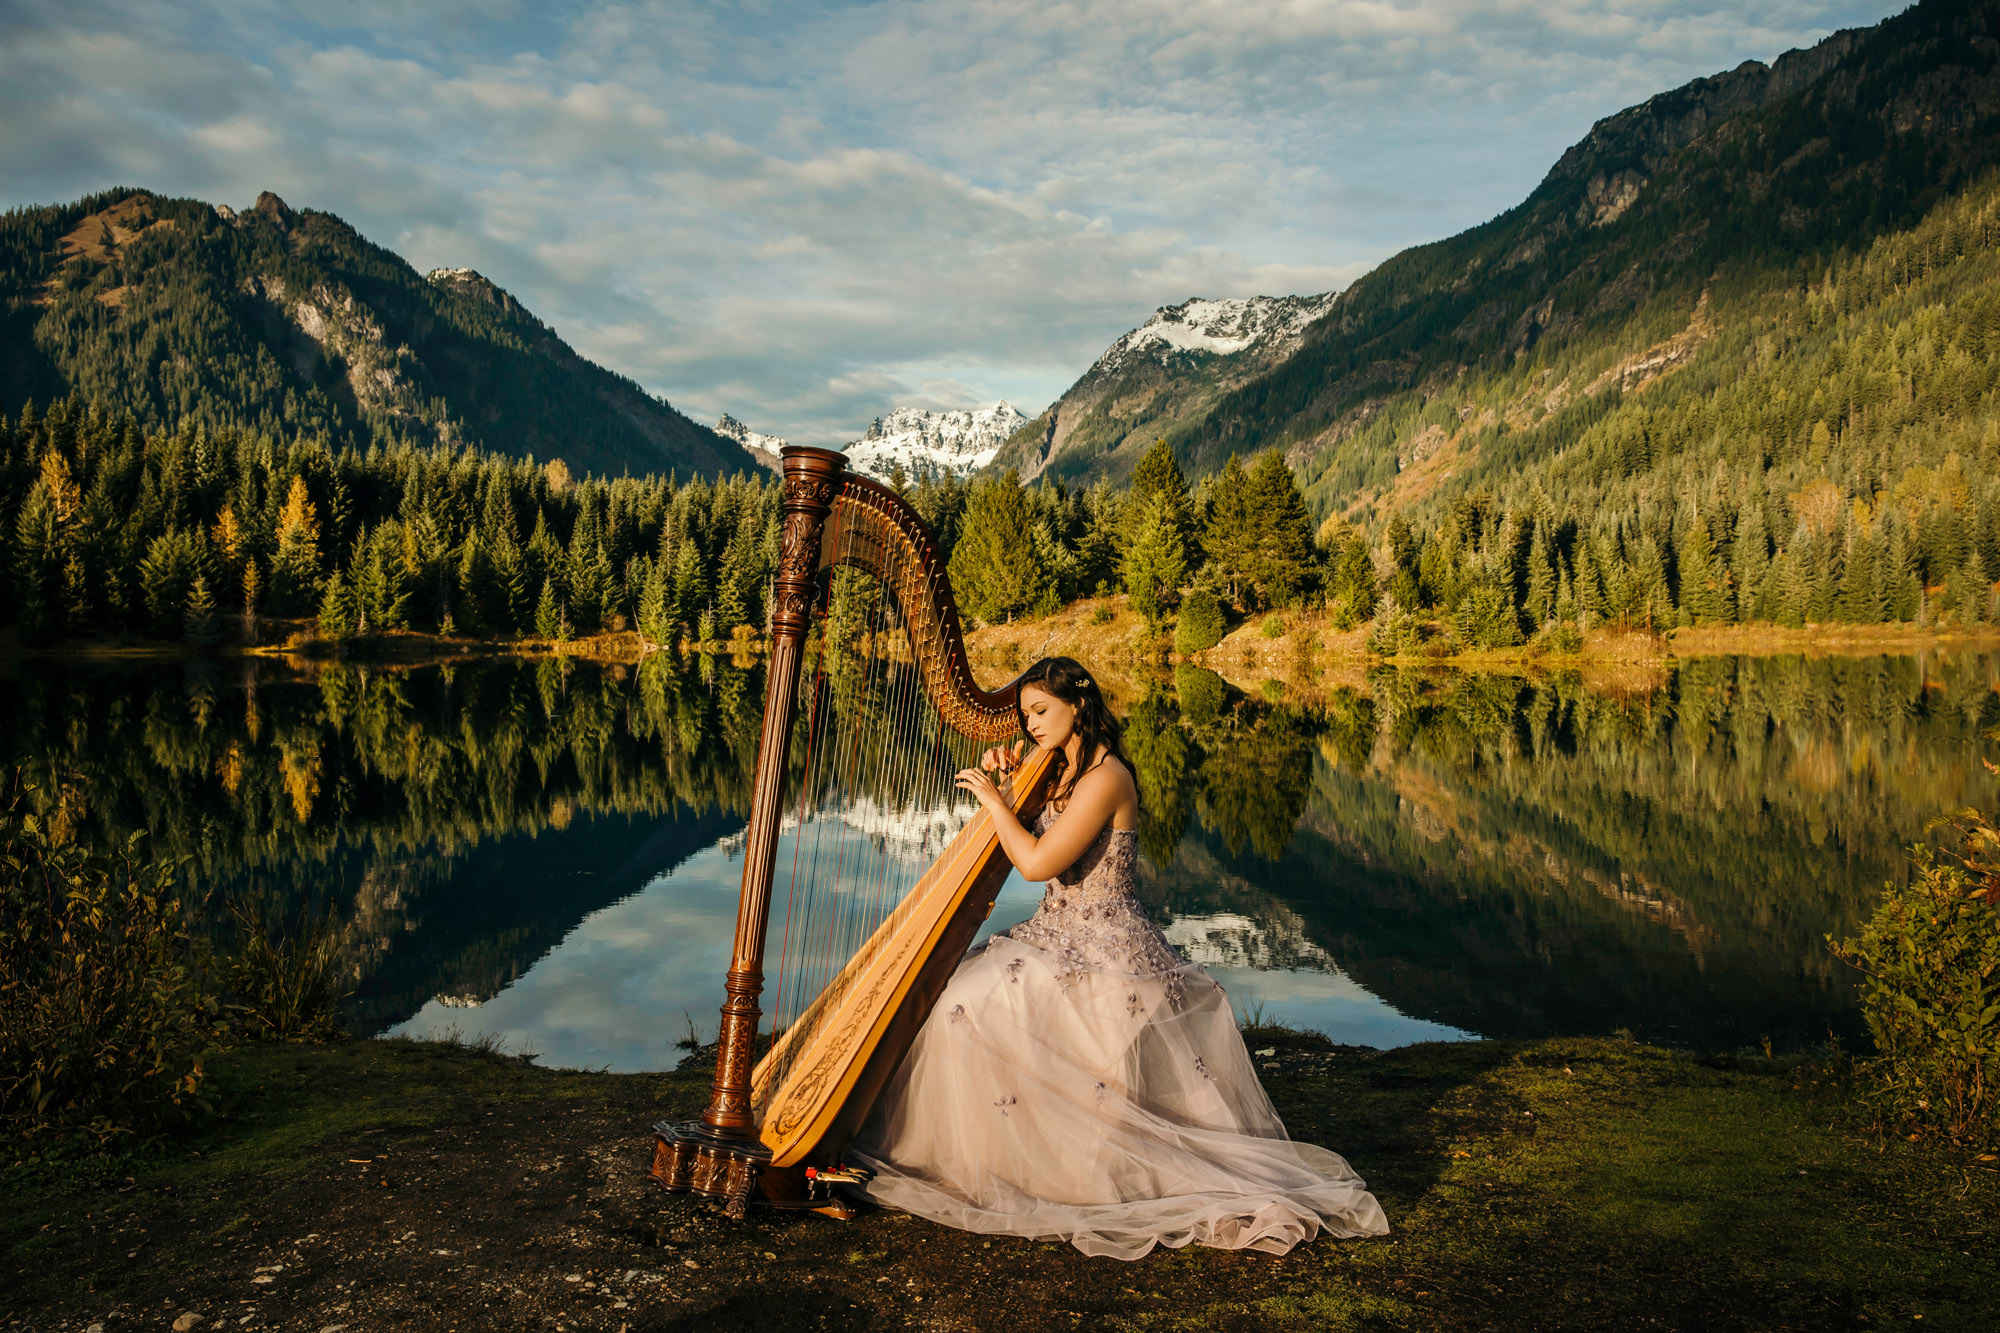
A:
(1065, 679)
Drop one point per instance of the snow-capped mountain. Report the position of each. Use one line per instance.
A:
(764, 448)
(1220, 328)
(959, 442)
(1166, 372)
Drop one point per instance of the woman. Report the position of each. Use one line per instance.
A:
(1079, 1079)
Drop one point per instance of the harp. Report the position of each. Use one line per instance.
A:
(870, 708)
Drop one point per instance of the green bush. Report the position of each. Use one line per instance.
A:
(1931, 959)
(1559, 637)
(1274, 627)
(106, 1020)
(1485, 618)
(1201, 624)
(1396, 631)
(1101, 616)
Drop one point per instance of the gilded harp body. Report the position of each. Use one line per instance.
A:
(768, 1121)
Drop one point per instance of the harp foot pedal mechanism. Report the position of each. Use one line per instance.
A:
(821, 1185)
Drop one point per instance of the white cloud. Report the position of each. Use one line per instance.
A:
(805, 215)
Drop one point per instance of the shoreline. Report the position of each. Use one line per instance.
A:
(388, 1185)
(1306, 649)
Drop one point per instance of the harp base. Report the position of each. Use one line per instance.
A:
(688, 1157)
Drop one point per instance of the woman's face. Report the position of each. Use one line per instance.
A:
(1050, 720)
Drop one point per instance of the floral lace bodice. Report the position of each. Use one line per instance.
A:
(1090, 920)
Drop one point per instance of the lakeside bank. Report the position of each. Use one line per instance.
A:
(1557, 1184)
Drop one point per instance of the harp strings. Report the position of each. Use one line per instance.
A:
(876, 805)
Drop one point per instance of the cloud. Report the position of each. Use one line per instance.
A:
(807, 214)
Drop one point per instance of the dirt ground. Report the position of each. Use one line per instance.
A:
(1579, 1184)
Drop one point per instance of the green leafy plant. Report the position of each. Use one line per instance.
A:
(1930, 957)
(106, 1016)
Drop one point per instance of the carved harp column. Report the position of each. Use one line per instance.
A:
(769, 1124)
(812, 476)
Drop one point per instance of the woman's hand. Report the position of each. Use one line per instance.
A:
(1003, 758)
(976, 782)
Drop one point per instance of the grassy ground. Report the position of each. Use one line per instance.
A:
(1579, 1184)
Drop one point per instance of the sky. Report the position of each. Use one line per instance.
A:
(808, 214)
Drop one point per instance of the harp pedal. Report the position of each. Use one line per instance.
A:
(822, 1184)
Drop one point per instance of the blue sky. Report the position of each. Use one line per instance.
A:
(805, 214)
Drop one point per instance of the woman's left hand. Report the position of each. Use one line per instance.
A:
(980, 785)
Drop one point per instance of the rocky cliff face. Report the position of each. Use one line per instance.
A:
(1155, 378)
(763, 448)
(957, 442)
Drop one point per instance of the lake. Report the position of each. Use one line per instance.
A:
(547, 852)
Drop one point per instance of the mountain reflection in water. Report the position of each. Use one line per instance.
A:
(548, 852)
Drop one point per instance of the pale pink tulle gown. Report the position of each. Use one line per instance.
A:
(1080, 1080)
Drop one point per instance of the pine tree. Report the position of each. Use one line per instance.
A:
(295, 569)
(690, 588)
(200, 625)
(1229, 537)
(1705, 596)
(1156, 562)
(1541, 599)
(339, 613)
(1653, 602)
(548, 617)
(1355, 580)
(656, 623)
(1902, 589)
(1971, 592)
(1751, 558)
(1281, 568)
(1860, 600)
(995, 569)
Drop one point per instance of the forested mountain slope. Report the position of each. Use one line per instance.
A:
(1702, 212)
(291, 323)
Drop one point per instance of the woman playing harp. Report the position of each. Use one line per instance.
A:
(1078, 1078)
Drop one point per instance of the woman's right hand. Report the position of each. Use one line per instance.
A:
(1003, 758)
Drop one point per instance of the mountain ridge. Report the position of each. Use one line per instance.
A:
(1151, 378)
(1733, 184)
(285, 320)
(958, 441)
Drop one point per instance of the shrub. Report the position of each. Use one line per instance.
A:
(1396, 631)
(1201, 624)
(1931, 995)
(105, 1018)
(1101, 616)
(1274, 627)
(1558, 636)
(1485, 618)
(286, 982)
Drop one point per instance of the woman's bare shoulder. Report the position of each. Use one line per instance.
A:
(1109, 774)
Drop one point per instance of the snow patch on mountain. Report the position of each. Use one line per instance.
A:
(959, 442)
(1218, 328)
(729, 428)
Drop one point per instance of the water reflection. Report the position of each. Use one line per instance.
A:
(545, 851)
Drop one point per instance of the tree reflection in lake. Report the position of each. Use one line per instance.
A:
(1486, 853)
